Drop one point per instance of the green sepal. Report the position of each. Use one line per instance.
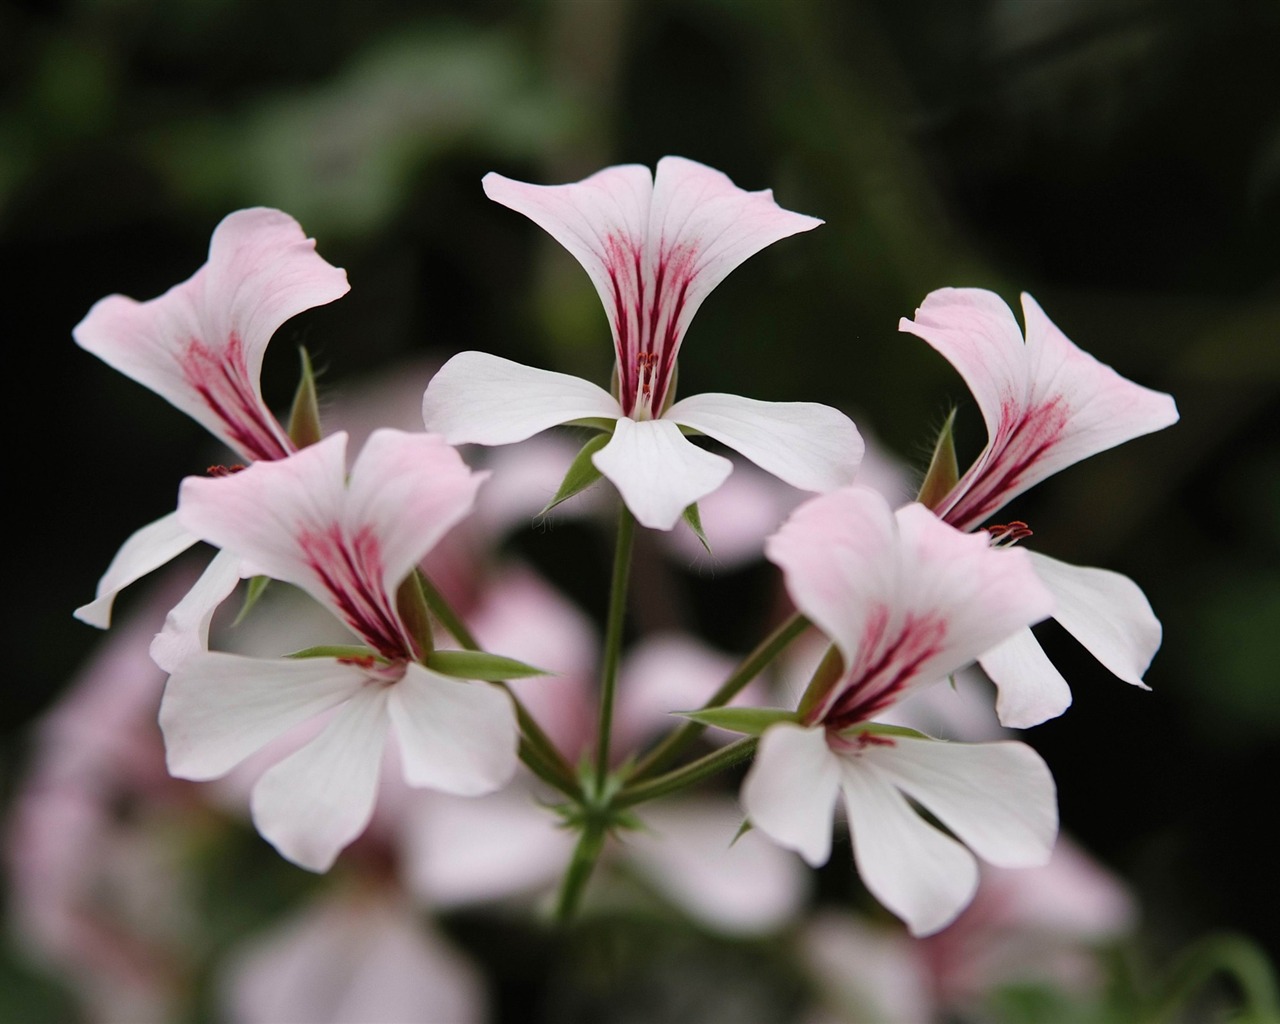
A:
(829, 672)
(411, 603)
(879, 729)
(304, 417)
(480, 665)
(751, 721)
(743, 829)
(257, 587)
(335, 651)
(582, 472)
(690, 515)
(943, 471)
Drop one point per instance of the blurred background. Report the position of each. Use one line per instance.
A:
(1119, 160)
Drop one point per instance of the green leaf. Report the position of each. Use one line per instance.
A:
(480, 665)
(257, 587)
(335, 651)
(691, 516)
(304, 417)
(752, 721)
(582, 472)
(943, 469)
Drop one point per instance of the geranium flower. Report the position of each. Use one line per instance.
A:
(906, 600)
(1047, 404)
(200, 346)
(349, 545)
(654, 246)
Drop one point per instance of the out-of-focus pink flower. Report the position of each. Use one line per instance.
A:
(654, 245)
(1047, 404)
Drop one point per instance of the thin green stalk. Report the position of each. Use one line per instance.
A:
(443, 611)
(750, 667)
(1232, 955)
(585, 855)
(613, 640)
(689, 774)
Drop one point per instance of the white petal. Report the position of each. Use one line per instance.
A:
(219, 708)
(658, 471)
(316, 801)
(998, 798)
(1105, 611)
(476, 398)
(186, 627)
(145, 551)
(456, 736)
(810, 446)
(1031, 690)
(790, 791)
(922, 875)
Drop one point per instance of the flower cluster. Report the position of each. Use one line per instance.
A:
(423, 692)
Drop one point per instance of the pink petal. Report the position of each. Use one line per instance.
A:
(455, 736)
(658, 472)
(145, 551)
(317, 800)
(1031, 689)
(790, 791)
(810, 446)
(1105, 611)
(220, 708)
(476, 398)
(201, 344)
(1047, 404)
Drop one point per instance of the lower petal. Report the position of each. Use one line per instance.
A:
(922, 875)
(316, 801)
(790, 791)
(455, 735)
(1105, 611)
(145, 551)
(477, 398)
(1030, 689)
(808, 445)
(658, 471)
(186, 627)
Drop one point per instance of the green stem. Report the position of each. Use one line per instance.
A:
(689, 774)
(613, 640)
(750, 667)
(585, 855)
(1229, 954)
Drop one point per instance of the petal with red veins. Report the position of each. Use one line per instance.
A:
(658, 471)
(318, 799)
(220, 708)
(477, 398)
(805, 444)
(456, 736)
(790, 791)
(145, 551)
(1105, 611)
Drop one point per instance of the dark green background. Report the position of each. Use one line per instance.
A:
(1119, 160)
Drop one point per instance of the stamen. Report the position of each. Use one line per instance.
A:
(220, 470)
(1005, 535)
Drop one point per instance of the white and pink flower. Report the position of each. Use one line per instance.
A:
(1047, 405)
(654, 246)
(200, 346)
(349, 544)
(906, 600)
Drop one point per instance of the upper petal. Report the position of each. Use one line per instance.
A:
(318, 799)
(455, 736)
(1047, 404)
(220, 708)
(658, 471)
(146, 550)
(1105, 611)
(477, 398)
(200, 345)
(808, 445)
(790, 791)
